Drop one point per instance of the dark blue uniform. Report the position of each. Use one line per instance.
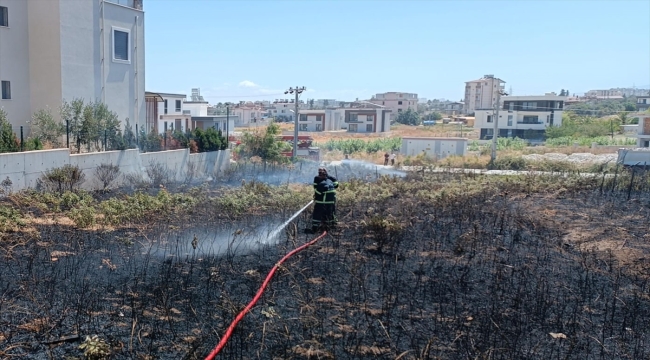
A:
(325, 202)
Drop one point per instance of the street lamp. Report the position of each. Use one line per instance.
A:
(297, 91)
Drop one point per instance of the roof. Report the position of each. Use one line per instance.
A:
(153, 93)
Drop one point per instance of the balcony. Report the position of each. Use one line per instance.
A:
(135, 4)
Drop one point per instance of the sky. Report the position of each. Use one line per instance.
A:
(349, 49)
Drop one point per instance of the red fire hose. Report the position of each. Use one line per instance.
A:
(240, 316)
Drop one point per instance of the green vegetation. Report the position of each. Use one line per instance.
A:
(351, 146)
(602, 108)
(502, 144)
(265, 145)
(408, 117)
(574, 125)
(8, 141)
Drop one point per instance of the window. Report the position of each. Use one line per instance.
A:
(354, 117)
(531, 119)
(399, 110)
(369, 128)
(352, 128)
(489, 118)
(4, 16)
(511, 106)
(370, 118)
(178, 124)
(121, 48)
(527, 105)
(165, 111)
(6, 90)
(178, 106)
(303, 127)
(399, 103)
(319, 127)
(303, 117)
(509, 120)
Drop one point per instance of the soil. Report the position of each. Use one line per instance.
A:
(496, 275)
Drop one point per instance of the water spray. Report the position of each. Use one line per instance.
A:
(277, 231)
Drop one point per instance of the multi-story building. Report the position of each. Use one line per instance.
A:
(481, 94)
(525, 117)
(643, 103)
(643, 132)
(59, 50)
(367, 120)
(248, 113)
(396, 102)
(170, 113)
(604, 94)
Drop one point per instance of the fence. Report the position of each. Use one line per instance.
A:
(25, 168)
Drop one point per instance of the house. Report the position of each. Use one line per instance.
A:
(481, 94)
(396, 102)
(170, 113)
(434, 147)
(453, 108)
(642, 103)
(248, 114)
(367, 120)
(525, 117)
(57, 50)
(321, 120)
(643, 135)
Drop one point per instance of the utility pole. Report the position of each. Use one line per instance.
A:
(297, 91)
(495, 132)
(227, 123)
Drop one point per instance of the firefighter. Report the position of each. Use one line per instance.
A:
(324, 200)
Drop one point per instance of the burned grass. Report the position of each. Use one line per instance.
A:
(440, 266)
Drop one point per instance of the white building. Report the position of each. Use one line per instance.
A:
(396, 102)
(433, 147)
(643, 135)
(247, 115)
(481, 94)
(367, 120)
(57, 50)
(525, 117)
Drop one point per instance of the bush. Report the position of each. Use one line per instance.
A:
(508, 163)
(60, 179)
(351, 146)
(106, 174)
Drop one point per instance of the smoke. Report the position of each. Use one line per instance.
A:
(304, 172)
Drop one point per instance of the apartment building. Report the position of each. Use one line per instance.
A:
(396, 102)
(525, 117)
(643, 103)
(57, 50)
(481, 94)
(604, 94)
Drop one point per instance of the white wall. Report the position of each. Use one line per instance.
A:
(14, 62)
(481, 116)
(434, 147)
(56, 49)
(24, 169)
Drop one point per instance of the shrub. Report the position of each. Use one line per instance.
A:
(67, 177)
(508, 163)
(158, 173)
(106, 174)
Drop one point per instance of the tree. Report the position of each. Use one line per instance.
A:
(408, 117)
(562, 93)
(209, 140)
(433, 116)
(623, 118)
(8, 141)
(46, 128)
(311, 103)
(129, 135)
(265, 144)
(326, 103)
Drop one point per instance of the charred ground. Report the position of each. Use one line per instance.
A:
(432, 266)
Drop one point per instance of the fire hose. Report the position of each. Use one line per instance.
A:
(259, 294)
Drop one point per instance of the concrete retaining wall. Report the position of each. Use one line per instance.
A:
(24, 169)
